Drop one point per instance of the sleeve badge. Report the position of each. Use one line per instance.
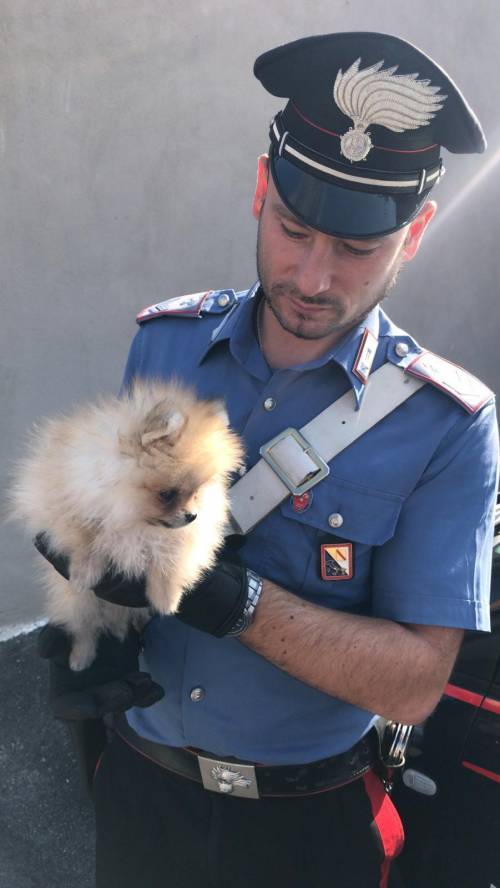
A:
(336, 561)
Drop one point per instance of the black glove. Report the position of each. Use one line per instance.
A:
(112, 683)
(112, 587)
(214, 605)
(60, 562)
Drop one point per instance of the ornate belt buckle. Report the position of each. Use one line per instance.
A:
(228, 777)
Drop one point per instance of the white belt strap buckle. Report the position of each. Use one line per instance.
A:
(269, 482)
(294, 461)
(228, 777)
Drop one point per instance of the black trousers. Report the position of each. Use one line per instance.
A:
(158, 830)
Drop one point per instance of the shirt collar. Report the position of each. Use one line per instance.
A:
(237, 328)
(350, 352)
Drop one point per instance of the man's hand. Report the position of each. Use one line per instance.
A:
(215, 605)
(113, 683)
(112, 586)
(223, 602)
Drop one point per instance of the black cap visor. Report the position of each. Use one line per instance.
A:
(339, 211)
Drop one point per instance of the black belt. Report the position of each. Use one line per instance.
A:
(249, 780)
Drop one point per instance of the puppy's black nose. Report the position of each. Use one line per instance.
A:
(189, 517)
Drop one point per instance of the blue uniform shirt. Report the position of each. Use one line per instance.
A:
(416, 495)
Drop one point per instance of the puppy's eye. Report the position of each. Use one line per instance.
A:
(169, 496)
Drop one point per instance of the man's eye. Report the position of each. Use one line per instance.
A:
(355, 252)
(296, 235)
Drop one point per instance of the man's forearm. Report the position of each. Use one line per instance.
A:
(376, 664)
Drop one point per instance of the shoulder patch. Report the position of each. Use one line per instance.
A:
(461, 385)
(194, 305)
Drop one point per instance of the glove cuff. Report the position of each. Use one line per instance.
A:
(220, 601)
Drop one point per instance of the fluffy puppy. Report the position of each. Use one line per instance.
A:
(138, 483)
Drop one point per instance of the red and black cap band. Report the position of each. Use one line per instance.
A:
(331, 169)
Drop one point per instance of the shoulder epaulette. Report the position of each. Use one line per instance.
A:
(452, 379)
(195, 305)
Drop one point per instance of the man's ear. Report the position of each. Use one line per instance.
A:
(416, 229)
(261, 185)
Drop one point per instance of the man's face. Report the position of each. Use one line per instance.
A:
(317, 285)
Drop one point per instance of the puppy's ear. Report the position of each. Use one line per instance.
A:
(126, 445)
(168, 433)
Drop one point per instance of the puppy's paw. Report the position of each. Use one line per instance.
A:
(82, 656)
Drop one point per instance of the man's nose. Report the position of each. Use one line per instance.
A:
(315, 270)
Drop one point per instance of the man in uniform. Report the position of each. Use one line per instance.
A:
(356, 577)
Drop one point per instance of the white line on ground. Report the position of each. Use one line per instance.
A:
(8, 632)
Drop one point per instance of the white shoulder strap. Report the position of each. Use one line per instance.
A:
(261, 489)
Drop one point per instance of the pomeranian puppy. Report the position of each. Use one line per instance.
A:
(137, 483)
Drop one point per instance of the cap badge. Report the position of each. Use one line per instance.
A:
(399, 102)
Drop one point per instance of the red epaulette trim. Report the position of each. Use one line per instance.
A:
(452, 379)
(189, 306)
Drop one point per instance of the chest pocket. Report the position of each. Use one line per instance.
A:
(365, 517)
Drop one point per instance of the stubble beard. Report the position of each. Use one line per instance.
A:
(273, 291)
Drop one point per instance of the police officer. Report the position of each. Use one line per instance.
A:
(347, 598)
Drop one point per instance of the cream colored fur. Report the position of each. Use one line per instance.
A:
(92, 482)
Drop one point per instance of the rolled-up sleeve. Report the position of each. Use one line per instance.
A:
(436, 569)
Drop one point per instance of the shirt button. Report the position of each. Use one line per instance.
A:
(197, 694)
(269, 404)
(223, 300)
(402, 349)
(335, 520)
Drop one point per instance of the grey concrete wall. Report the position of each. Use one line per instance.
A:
(128, 138)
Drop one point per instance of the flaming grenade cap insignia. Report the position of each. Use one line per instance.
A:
(399, 102)
(227, 778)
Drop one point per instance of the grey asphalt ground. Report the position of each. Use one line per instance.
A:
(46, 819)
